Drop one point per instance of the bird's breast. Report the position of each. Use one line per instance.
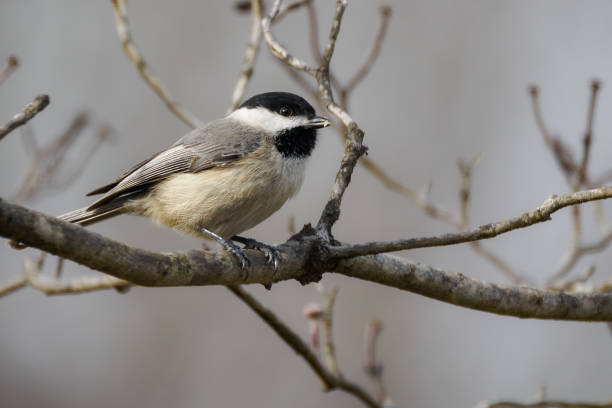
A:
(226, 200)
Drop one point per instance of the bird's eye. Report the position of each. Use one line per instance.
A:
(285, 111)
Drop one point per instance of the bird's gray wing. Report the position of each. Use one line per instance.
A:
(218, 144)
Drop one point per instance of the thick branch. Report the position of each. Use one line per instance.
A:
(299, 256)
(549, 404)
(460, 290)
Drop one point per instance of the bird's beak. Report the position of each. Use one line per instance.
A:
(318, 122)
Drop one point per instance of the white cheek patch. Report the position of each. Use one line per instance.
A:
(265, 119)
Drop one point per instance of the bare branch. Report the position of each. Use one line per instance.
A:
(578, 252)
(277, 49)
(496, 261)
(588, 134)
(314, 32)
(289, 8)
(579, 283)
(540, 214)
(328, 380)
(125, 36)
(417, 199)
(303, 256)
(46, 161)
(298, 77)
(11, 65)
(354, 149)
(461, 290)
(465, 189)
(548, 404)
(23, 116)
(75, 286)
(327, 308)
(385, 14)
(372, 367)
(285, 333)
(562, 153)
(103, 135)
(250, 56)
(13, 285)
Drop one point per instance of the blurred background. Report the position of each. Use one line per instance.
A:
(451, 82)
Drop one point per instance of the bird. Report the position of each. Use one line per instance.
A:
(222, 179)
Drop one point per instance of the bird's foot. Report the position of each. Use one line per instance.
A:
(245, 263)
(228, 245)
(269, 251)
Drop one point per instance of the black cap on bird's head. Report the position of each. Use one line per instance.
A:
(286, 104)
(289, 118)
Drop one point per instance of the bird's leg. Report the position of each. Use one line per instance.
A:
(269, 251)
(231, 247)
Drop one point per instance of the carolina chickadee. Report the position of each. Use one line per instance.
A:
(222, 179)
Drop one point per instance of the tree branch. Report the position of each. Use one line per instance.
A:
(385, 14)
(250, 56)
(23, 116)
(548, 404)
(302, 257)
(540, 214)
(328, 379)
(11, 65)
(277, 49)
(460, 290)
(125, 36)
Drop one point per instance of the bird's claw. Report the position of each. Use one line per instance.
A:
(270, 252)
(245, 263)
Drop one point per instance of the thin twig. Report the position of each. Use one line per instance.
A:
(465, 191)
(328, 380)
(47, 161)
(277, 49)
(314, 42)
(31, 273)
(385, 14)
(574, 256)
(125, 36)
(588, 134)
(562, 153)
(23, 116)
(579, 283)
(465, 187)
(548, 404)
(289, 8)
(540, 214)
(499, 263)
(372, 367)
(327, 308)
(12, 285)
(103, 135)
(11, 65)
(314, 32)
(250, 56)
(298, 77)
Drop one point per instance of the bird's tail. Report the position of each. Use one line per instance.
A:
(85, 216)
